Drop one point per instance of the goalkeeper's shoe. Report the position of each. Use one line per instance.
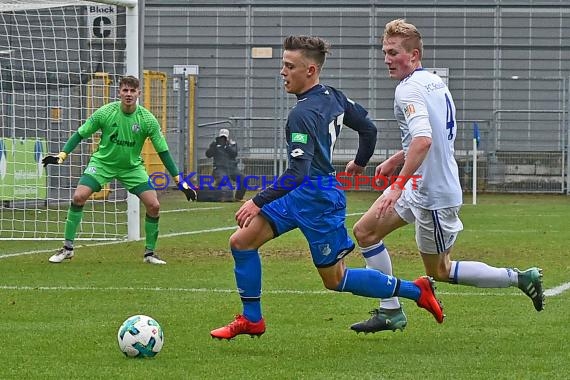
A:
(427, 298)
(152, 258)
(62, 254)
(240, 325)
(530, 282)
(381, 320)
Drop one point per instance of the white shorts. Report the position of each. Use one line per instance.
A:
(436, 230)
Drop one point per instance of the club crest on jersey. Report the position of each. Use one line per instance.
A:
(136, 128)
(297, 152)
(325, 249)
(299, 138)
(409, 110)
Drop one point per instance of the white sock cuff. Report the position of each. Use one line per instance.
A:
(373, 250)
(453, 272)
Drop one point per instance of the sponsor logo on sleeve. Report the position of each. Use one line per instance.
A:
(409, 110)
(299, 138)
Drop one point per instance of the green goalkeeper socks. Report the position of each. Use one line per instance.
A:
(151, 232)
(74, 216)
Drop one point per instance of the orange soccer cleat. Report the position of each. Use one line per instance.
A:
(240, 325)
(427, 298)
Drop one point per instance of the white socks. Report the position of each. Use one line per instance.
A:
(377, 257)
(481, 275)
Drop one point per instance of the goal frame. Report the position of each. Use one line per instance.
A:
(133, 48)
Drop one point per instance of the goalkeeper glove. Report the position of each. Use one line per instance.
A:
(57, 159)
(187, 189)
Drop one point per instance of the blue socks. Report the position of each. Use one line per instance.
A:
(248, 279)
(375, 284)
(358, 281)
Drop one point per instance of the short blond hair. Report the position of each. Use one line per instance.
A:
(412, 39)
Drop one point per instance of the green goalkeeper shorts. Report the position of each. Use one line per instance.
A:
(97, 175)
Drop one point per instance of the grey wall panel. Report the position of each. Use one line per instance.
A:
(484, 44)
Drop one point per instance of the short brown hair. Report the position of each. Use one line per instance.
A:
(412, 39)
(130, 81)
(314, 48)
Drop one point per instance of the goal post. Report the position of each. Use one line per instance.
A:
(53, 54)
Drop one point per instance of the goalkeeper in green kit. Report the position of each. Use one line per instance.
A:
(124, 127)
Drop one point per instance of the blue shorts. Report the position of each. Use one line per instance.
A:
(320, 215)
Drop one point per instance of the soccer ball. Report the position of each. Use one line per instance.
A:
(140, 336)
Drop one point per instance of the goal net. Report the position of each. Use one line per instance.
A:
(59, 61)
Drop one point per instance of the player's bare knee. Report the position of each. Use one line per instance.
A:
(78, 199)
(234, 242)
(364, 236)
(153, 208)
(237, 242)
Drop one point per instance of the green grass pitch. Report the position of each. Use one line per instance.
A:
(60, 321)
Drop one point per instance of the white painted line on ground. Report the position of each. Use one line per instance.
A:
(486, 230)
(557, 290)
(199, 232)
(191, 209)
(229, 228)
(53, 250)
(564, 287)
(217, 290)
(118, 242)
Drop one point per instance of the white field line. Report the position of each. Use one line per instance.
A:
(228, 228)
(557, 290)
(550, 292)
(191, 209)
(492, 231)
(118, 242)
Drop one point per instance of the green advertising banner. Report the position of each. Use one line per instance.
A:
(22, 175)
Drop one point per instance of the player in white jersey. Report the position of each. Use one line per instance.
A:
(425, 112)
(423, 107)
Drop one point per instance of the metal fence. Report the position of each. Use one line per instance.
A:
(519, 150)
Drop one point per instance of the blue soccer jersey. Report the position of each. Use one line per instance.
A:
(313, 126)
(306, 195)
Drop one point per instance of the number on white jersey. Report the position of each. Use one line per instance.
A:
(450, 119)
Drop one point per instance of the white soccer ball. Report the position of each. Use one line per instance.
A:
(140, 336)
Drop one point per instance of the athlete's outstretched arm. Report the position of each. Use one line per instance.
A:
(70, 145)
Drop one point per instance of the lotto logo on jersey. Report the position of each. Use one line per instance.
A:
(299, 138)
(409, 110)
(297, 152)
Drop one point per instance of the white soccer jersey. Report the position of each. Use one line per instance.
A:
(423, 106)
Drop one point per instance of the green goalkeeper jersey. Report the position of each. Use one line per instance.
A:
(123, 135)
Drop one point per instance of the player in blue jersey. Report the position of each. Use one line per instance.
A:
(306, 196)
(424, 109)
